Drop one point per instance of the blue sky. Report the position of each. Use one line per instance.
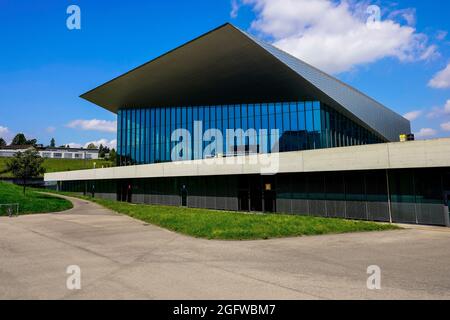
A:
(44, 66)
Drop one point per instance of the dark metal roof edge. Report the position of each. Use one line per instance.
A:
(83, 96)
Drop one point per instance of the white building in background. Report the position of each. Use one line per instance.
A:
(53, 153)
(69, 153)
(10, 151)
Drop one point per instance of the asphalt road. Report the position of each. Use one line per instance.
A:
(122, 258)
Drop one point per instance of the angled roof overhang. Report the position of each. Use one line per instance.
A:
(228, 66)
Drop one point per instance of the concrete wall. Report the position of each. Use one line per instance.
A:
(413, 154)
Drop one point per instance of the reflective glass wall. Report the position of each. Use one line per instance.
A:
(144, 135)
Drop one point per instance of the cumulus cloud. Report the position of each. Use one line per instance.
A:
(4, 131)
(234, 8)
(413, 115)
(335, 36)
(426, 133)
(438, 112)
(6, 134)
(441, 80)
(94, 125)
(445, 126)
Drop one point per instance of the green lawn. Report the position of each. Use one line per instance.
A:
(31, 202)
(211, 224)
(56, 165)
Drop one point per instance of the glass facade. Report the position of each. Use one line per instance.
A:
(144, 134)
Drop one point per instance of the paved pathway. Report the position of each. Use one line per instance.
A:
(127, 259)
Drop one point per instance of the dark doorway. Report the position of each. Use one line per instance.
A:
(184, 195)
(243, 199)
(269, 201)
(256, 195)
(253, 193)
(124, 191)
(269, 194)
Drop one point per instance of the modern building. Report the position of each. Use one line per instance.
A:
(229, 122)
(53, 153)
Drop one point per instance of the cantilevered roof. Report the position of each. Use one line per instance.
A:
(228, 66)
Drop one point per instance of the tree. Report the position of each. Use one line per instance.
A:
(31, 142)
(26, 165)
(102, 151)
(2, 142)
(19, 140)
(91, 146)
(112, 155)
(52, 143)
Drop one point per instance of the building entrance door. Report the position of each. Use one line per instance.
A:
(269, 194)
(124, 192)
(184, 195)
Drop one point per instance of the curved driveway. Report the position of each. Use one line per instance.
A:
(124, 258)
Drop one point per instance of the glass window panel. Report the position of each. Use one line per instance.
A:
(257, 110)
(316, 105)
(309, 121)
(207, 116)
(271, 108)
(294, 117)
(279, 117)
(178, 116)
(286, 117)
(317, 120)
(152, 135)
(224, 120)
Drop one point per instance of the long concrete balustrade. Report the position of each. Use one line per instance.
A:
(413, 154)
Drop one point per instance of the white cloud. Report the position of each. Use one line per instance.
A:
(104, 142)
(426, 133)
(441, 80)
(4, 131)
(409, 15)
(441, 35)
(413, 115)
(234, 8)
(94, 125)
(438, 112)
(335, 36)
(74, 145)
(6, 134)
(445, 126)
(50, 129)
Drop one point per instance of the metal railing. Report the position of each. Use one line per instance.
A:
(9, 209)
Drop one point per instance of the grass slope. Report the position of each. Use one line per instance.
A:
(56, 165)
(211, 224)
(31, 202)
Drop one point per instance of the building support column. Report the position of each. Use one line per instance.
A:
(446, 217)
(389, 196)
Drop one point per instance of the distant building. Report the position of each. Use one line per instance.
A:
(10, 151)
(53, 153)
(69, 153)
